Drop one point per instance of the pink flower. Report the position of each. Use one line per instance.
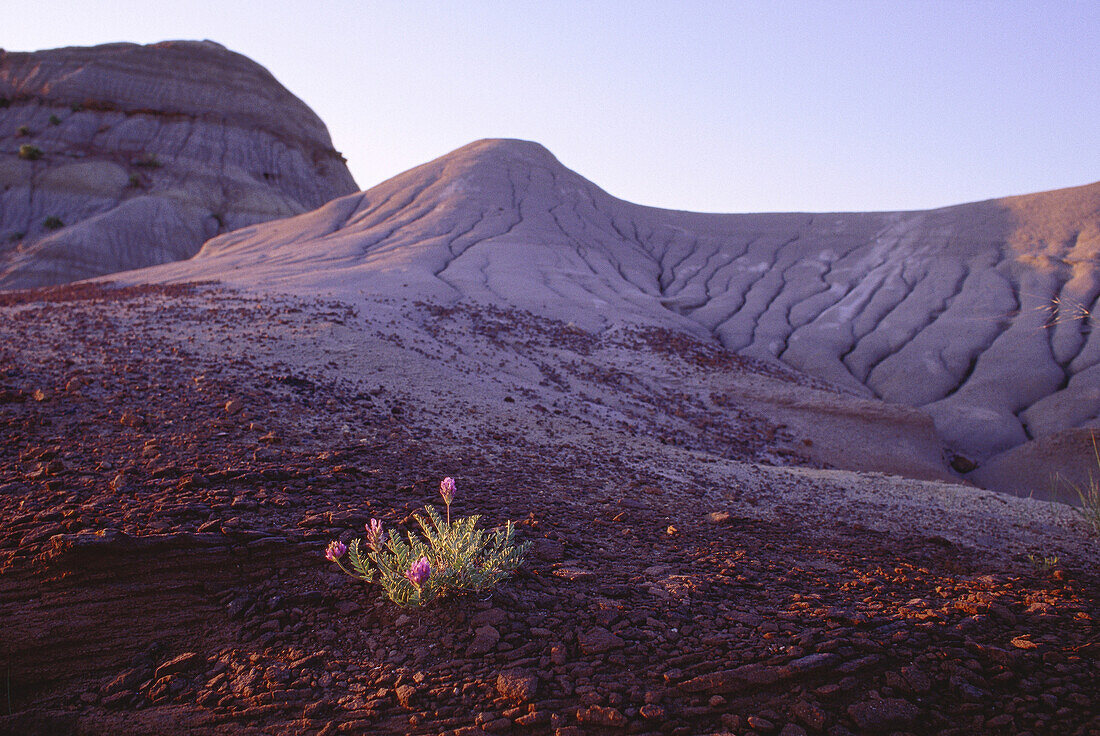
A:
(335, 551)
(419, 572)
(375, 535)
(447, 489)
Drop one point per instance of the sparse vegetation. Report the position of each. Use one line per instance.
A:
(135, 181)
(4, 102)
(17, 236)
(23, 131)
(29, 152)
(54, 120)
(1043, 563)
(452, 558)
(53, 223)
(1087, 494)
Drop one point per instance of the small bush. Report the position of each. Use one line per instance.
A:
(29, 152)
(53, 223)
(449, 559)
(23, 131)
(148, 162)
(135, 181)
(54, 120)
(1089, 494)
(1043, 563)
(4, 102)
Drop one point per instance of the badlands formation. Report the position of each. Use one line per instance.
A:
(734, 441)
(121, 156)
(979, 315)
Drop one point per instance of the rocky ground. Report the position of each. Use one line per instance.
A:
(173, 461)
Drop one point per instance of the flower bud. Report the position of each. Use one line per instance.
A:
(419, 572)
(335, 551)
(375, 535)
(447, 489)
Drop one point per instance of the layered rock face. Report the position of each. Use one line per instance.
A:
(978, 314)
(121, 156)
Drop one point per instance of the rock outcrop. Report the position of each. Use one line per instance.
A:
(978, 314)
(121, 156)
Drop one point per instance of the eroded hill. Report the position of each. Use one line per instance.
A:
(121, 156)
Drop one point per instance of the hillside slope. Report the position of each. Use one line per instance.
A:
(978, 314)
(120, 156)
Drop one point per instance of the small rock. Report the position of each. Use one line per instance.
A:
(719, 517)
(233, 406)
(182, 663)
(916, 679)
(518, 686)
(809, 713)
(127, 681)
(405, 694)
(728, 681)
(887, 714)
(597, 715)
(485, 638)
(597, 640)
(760, 724)
(491, 617)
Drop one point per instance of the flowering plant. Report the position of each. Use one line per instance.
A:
(445, 559)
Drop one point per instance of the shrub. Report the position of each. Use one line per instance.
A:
(148, 162)
(54, 120)
(23, 131)
(29, 152)
(1043, 563)
(53, 223)
(1089, 494)
(447, 558)
(135, 181)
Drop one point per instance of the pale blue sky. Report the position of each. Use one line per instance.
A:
(714, 106)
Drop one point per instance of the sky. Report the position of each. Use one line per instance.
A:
(718, 106)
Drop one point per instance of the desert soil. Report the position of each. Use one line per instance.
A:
(173, 461)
